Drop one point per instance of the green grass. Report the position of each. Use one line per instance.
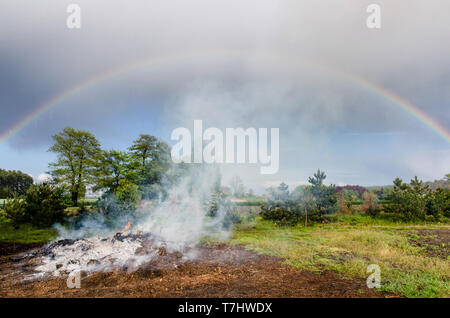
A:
(248, 203)
(25, 233)
(87, 201)
(349, 246)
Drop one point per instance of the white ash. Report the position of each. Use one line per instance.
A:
(94, 254)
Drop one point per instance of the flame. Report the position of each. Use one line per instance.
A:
(127, 227)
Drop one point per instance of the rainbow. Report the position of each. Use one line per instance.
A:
(405, 105)
(169, 59)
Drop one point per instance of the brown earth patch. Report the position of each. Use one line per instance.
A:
(10, 248)
(435, 242)
(220, 271)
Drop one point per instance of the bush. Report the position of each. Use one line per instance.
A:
(416, 201)
(345, 207)
(112, 207)
(42, 206)
(283, 213)
(231, 217)
(15, 210)
(370, 205)
(128, 195)
(438, 204)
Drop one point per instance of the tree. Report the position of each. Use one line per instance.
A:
(352, 192)
(370, 205)
(42, 205)
(127, 195)
(438, 203)
(409, 201)
(283, 191)
(78, 153)
(151, 158)
(325, 198)
(418, 201)
(114, 166)
(14, 183)
(144, 149)
(317, 179)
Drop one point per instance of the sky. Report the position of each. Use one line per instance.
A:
(149, 67)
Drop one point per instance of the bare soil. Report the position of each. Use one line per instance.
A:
(218, 271)
(11, 248)
(435, 242)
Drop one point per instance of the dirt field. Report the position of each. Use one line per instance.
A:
(7, 248)
(436, 242)
(219, 271)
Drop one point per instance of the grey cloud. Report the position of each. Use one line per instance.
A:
(409, 55)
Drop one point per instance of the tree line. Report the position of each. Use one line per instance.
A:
(123, 177)
(313, 202)
(13, 182)
(81, 163)
(414, 201)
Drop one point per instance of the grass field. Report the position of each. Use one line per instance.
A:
(25, 233)
(353, 243)
(347, 246)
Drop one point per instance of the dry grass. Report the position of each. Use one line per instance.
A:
(349, 249)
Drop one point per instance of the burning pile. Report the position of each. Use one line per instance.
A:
(116, 252)
(162, 236)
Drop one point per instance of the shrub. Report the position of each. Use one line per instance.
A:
(416, 201)
(283, 213)
(370, 205)
(230, 217)
(15, 210)
(344, 206)
(438, 204)
(128, 195)
(42, 206)
(112, 207)
(373, 210)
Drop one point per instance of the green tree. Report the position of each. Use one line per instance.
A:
(144, 149)
(317, 179)
(78, 153)
(325, 197)
(350, 195)
(15, 210)
(114, 166)
(42, 205)
(127, 195)
(13, 183)
(151, 159)
(409, 201)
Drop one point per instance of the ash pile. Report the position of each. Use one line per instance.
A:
(119, 252)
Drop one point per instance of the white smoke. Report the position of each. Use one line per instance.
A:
(179, 223)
